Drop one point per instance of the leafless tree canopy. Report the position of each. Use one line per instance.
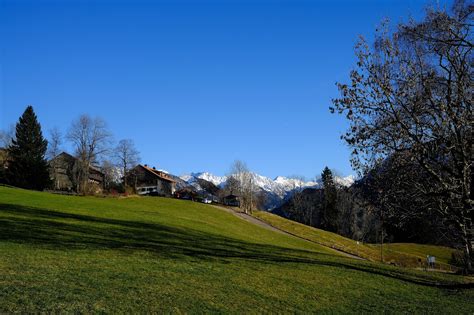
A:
(54, 148)
(126, 155)
(6, 136)
(411, 93)
(245, 185)
(108, 168)
(55, 143)
(91, 140)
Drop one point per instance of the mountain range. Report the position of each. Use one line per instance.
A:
(276, 191)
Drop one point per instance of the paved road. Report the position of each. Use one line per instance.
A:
(267, 226)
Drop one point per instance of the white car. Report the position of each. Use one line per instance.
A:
(207, 200)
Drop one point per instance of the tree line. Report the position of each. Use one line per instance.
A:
(321, 207)
(30, 156)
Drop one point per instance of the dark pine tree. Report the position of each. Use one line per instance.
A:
(329, 217)
(28, 167)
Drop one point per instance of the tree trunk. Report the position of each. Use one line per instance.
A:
(381, 244)
(125, 177)
(467, 240)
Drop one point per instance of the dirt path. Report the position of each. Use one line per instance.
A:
(252, 220)
(267, 226)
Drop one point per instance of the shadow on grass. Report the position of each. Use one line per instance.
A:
(74, 231)
(58, 230)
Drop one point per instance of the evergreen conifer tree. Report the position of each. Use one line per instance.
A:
(330, 211)
(28, 167)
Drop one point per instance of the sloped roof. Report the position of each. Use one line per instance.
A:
(73, 158)
(157, 173)
(231, 196)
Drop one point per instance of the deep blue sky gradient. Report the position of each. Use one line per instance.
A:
(196, 84)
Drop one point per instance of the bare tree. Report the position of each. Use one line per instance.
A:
(412, 92)
(91, 140)
(246, 189)
(127, 156)
(108, 168)
(7, 136)
(54, 148)
(54, 143)
(231, 186)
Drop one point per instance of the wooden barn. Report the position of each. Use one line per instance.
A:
(64, 170)
(150, 181)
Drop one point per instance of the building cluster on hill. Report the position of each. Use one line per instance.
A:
(142, 179)
(23, 163)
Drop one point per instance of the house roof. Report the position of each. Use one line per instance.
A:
(69, 156)
(231, 196)
(73, 158)
(161, 175)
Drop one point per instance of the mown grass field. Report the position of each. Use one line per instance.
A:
(87, 254)
(400, 254)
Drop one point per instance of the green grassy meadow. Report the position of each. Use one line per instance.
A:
(88, 254)
(400, 254)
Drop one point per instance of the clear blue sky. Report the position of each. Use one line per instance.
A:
(196, 84)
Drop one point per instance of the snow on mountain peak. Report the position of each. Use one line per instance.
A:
(216, 180)
(294, 183)
(345, 181)
(280, 187)
(280, 184)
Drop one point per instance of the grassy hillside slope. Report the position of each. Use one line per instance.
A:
(400, 254)
(86, 254)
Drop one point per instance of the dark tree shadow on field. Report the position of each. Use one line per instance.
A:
(58, 230)
(74, 231)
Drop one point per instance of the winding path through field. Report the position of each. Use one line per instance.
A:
(267, 226)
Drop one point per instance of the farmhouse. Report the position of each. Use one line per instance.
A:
(64, 173)
(150, 181)
(186, 193)
(232, 200)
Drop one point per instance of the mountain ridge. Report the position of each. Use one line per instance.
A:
(276, 190)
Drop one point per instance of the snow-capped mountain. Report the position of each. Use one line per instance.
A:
(290, 184)
(216, 180)
(345, 181)
(278, 189)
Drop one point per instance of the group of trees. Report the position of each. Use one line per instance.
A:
(240, 183)
(409, 104)
(91, 140)
(317, 207)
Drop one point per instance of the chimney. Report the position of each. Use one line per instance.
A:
(154, 168)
